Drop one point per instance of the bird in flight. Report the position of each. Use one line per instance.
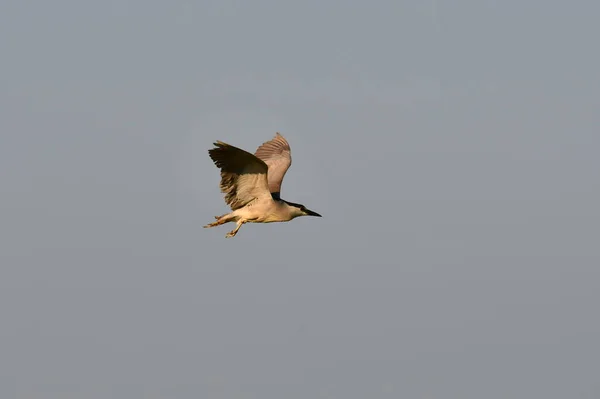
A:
(252, 184)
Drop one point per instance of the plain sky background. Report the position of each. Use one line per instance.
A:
(451, 147)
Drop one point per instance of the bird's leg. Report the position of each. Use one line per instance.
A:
(221, 220)
(233, 232)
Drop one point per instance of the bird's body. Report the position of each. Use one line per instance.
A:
(252, 184)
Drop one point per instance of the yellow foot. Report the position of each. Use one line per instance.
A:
(233, 232)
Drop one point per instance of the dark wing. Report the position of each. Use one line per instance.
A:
(278, 156)
(243, 176)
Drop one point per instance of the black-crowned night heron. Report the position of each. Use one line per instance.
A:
(252, 184)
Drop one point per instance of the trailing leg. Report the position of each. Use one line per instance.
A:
(233, 232)
(228, 217)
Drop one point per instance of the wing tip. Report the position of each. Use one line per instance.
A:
(219, 146)
(226, 156)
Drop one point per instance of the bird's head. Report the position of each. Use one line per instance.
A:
(301, 210)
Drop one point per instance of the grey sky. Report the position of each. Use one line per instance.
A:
(451, 147)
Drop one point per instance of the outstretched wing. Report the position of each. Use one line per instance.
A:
(278, 156)
(243, 176)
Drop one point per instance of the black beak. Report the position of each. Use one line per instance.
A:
(311, 213)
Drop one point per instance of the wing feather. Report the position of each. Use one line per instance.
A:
(243, 175)
(277, 154)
